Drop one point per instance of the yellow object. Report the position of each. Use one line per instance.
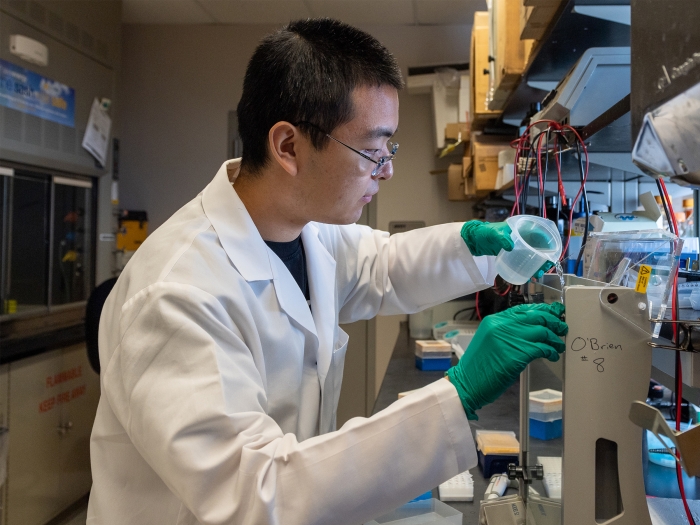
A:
(70, 256)
(11, 306)
(133, 230)
(643, 279)
(493, 442)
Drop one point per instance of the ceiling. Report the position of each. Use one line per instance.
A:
(357, 12)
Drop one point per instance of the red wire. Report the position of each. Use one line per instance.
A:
(478, 313)
(679, 368)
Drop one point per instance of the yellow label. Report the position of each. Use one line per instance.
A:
(643, 278)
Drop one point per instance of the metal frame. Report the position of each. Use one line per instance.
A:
(53, 177)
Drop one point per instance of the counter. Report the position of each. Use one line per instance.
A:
(402, 375)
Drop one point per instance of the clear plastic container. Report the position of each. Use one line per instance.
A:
(426, 512)
(536, 240)
(545, 417)
(420, 324)
(544, 402)
(444, 327)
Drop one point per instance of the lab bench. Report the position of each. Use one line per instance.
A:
(402, 375)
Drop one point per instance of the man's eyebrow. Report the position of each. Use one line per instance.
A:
(381, 132)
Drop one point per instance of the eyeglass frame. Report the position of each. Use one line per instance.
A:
(391, 146)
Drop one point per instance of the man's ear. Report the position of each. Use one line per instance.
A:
(283, 141)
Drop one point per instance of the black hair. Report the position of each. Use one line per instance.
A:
(305, 73)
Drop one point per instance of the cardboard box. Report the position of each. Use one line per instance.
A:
(455, 183)
(485, 150)
(479, 73)
(453, 129)
(510, 51)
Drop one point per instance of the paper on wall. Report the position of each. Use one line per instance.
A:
(96, 139)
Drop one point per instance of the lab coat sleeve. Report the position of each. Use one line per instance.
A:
(407, 272)
(192, 400)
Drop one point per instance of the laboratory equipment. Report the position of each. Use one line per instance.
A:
(536, 241)
(496, 450)
(545, 414)
(444, 327)
(433, 355)
(457, 488)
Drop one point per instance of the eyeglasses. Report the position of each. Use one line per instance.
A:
(380, 162)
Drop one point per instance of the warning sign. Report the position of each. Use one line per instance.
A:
(643, 278)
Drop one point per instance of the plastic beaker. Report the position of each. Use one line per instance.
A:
(536, 241)
(420, 324)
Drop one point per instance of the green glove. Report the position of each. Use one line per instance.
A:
(502, 347)
(487, 238)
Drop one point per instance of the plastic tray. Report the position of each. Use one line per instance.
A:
(545, 431)
(428, 364)
(426, 512)
(545, 417)
(433, 349)
(546, 400)
(440, 329)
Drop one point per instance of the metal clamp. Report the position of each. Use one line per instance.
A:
(685, 329)
(527, 474)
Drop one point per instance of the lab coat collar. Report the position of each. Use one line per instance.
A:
(322, 286)
(238, 234)
(253, 259)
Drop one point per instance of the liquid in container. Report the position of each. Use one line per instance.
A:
(536, 240)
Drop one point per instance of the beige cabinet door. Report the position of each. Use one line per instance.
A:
(80, 396)
(35, 414)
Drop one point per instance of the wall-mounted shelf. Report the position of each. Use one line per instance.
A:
(570, 34)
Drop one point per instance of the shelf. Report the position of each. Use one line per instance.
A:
(568, 37)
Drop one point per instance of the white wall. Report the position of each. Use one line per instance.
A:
(178, 84)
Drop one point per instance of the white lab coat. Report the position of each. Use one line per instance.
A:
(204, 348)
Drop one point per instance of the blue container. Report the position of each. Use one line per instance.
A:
(440, 364)
(495, 463)
(545, 430)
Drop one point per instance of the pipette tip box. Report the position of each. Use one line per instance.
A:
(429, 364)
(496, 450)
(545, 430)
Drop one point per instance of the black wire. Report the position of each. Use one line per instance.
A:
(668, 212)
(544, 175)
(454, 317)
(528, 171)
(584, 196)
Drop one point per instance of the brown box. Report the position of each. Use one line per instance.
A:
(479, 73)
(468, 176)
(539, 18)
(510, 51)
(485, 151)
(455, 183)
(453, 129)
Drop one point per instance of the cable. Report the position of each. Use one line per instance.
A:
(454, 317)
(586, 210)
(478, 313)
(673, 225)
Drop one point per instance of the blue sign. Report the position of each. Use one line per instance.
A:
(29, 92)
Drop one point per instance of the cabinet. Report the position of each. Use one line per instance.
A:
(52, 402)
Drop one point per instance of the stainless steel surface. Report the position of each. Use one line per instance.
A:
(666, 144)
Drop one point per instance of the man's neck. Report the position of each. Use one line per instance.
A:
(269, 214)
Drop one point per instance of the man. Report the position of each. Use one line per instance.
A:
(220, 348)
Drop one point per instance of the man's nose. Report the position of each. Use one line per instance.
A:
(387, 171)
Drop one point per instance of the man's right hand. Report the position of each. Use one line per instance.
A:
(502, 347)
